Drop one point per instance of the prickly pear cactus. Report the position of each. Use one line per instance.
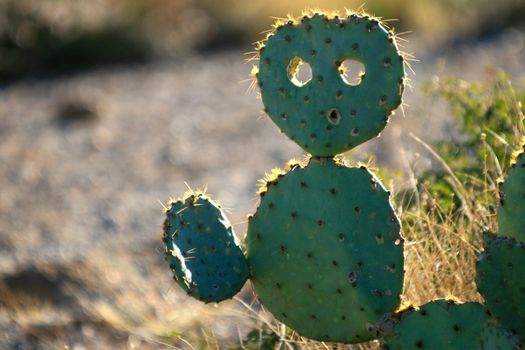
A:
(336, 254)
(327, 116)
(202, 250)
(495, 338)
(324, 247)
(511, 212)
(438, 325)
(500, 279)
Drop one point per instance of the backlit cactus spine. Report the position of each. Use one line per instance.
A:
(324, 248)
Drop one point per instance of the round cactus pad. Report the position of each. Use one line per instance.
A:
(327, 115)
(495, 338)
(438, 325)
(202, 249)
(500, 279)
(325, 251)
(511, 213)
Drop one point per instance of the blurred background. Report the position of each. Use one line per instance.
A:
(110, 107)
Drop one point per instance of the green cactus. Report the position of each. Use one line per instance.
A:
(202, 250)
(500, 271)
(437, 325)
(327, 116)
(325, 251)
(495, 338)
(511, 212)
(324, 248)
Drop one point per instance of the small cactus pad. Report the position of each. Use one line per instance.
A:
(325, 251)
(438, 325)
(511, 213)
(202, 250)
(495, 338)
(327, 115)
(500, 279)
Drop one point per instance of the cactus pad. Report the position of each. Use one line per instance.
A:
(494, 338)
(327, 116)
(438, 325)
(202, 250)
(500, 271)
(511, 213)
(325, 251)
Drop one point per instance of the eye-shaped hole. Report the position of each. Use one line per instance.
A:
(352, 72)
(299, 71)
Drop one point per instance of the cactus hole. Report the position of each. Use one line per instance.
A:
(352, 72)
(333, 116)
(299, 72)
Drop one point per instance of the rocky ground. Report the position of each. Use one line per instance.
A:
(86, 160)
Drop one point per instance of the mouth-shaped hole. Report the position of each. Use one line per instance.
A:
(333, 116)
(299, 71)
(352, 72)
